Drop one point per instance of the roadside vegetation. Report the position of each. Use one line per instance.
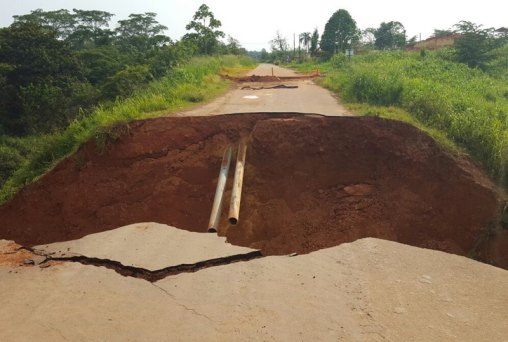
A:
(68, 78)
(458, 94)
(467, 105)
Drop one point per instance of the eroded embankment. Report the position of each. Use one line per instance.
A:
(310, 182)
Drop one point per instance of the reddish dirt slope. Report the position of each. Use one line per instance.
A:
(310, 182)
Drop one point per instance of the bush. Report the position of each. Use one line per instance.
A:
(338, 60)
(126, 81)
(10, 160)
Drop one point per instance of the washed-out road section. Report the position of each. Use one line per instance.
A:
(311, 183)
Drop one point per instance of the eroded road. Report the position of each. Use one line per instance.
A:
(153, 282)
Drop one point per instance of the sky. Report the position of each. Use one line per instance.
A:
(255, 23)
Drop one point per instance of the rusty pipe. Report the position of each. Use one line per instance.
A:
(236, 194)
(213, 224)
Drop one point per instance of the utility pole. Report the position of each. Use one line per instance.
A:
(294, 45)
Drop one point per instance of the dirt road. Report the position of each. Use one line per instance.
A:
(307, 97)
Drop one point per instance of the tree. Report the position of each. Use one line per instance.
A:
(234, 47)
(304, 39)
(206, 31)
(339, 34)
(44, 86)
(368, 38)
(314, 41)
(442, 33)
(390, 35)
(264, 56)
(141, 33)
(91, 29)
(62, 21)
(280, 48)
(80, 28)
(475, 44)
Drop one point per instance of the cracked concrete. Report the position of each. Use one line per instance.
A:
(368, 290)
(149, 246)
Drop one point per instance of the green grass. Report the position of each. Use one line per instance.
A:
(23, 160)
(448, 100)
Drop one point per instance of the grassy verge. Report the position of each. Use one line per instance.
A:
(450, 101)
(23, 160)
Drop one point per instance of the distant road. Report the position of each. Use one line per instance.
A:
(308, 97)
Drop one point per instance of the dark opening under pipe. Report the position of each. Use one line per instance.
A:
(236, 194)
(213, 224)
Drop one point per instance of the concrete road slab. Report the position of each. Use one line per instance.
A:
(151, 246)
(74, 302)
(368, 290)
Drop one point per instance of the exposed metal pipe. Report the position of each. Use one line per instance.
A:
(213, 224)
(236, 194)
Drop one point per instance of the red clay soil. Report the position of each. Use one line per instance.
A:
(310, 182)
(14, 255)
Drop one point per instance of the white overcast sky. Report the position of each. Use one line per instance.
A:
(255, 22)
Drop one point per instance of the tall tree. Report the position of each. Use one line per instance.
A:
(339, 34)
(314, 41)
(45, 85)
(62, 21)
(475, 44)
(206, 31)
(280, 48)
(91, 30)
(304, 39)
(368, 38)
(390, 35)
(234, 47)
(141, 33)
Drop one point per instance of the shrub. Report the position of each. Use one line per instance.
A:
(10, 160)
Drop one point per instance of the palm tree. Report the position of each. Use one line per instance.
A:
(305, 40)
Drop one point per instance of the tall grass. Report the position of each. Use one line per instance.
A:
(469, 106)
(30, 157)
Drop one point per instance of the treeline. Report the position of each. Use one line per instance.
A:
(56, 66)
(475, 45)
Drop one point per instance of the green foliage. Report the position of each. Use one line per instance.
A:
(55, 65)
(139, 34)
(206, 31)
(44, 85)
(468, 106)
(10, 160)
(126, 81)
(498, 63)
(390, 36)
(314, 41)
(280, 49)
(100, 63)
(180, 88)
(338, 60)
(475, 44)
(339, 34)
(441, 33)
(80, 29)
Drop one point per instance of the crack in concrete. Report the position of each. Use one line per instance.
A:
(149, 275)
(182, 305)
